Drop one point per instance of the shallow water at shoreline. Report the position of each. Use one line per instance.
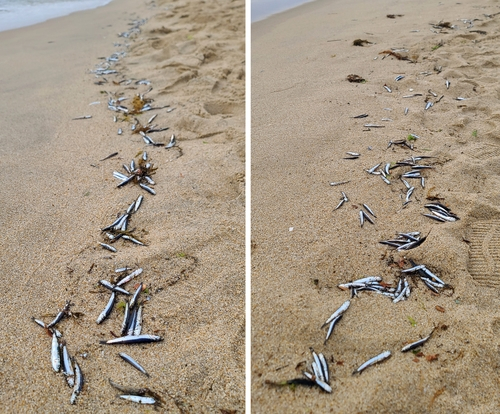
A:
(262, 9)
(20, 13)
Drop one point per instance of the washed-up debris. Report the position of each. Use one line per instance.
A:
(361, 42)
(398, 56)
(393, 16)
(140, 173)
(355, 79)
(82, 117)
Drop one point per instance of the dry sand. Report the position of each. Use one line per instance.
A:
(57, 195)
(302, 125)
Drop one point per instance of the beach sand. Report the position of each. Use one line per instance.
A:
(302, 126)
(57, 195)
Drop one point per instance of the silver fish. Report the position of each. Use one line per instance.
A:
(126, 318)
(139, 399)
(338, 312)
(416, 344)
(107, 310)
(78, 383)
(133, 301)
(129, 277)
(148, 189)
(133, 362)
(133, 339)
(68, 368)
(55, 354)
(138, 322)
(374, 360)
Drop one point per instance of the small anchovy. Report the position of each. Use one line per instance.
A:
(460, 99)
(148, 189)
(338, 312)
(323, 385)
(432, 93)
(333, 184)
(413, 269)
(447, 83)
(107, 310)
(108, 247)
(385, 180)
(149, 180)
(133, 339)
(122, 269)
(369, 210)
(138, 203)
(129, 277)
(78, 383)
(432, 216)
(121, 176)
(144, 156)
(133, 301)
(55, 354)
(416, 344)
(151, 119)
(120, 131)
(406, 111)
(131, 322)
(114, 288)
(342, 201)
(409, 193)
(60, 315)
(359, 282)
(332, 325)
(126, 318)
(354, 154)
(372, 170)
(401, 296)
(139, 399)
(374, 360)
(130, 207)
(135, 241)
(138, 322)
(361, 218)
(387, 88)
(398, 78)
(324, 367)
(126, 181)
(360, 116)
(172, 142)
(374, 126)
(82, 117)
(367, 217)
(319, 371)
(68, 368)
(428, 105)
(109, 156)
(387, 168)
(414, 136)
(412, 96)
(133, 362)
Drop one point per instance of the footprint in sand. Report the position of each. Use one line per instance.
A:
(484, 253)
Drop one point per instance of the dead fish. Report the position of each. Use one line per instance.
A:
(108, 247)
(67, 367)
(416, 344)
(129, 277)
(369, 210)
(374, 360)
(148, 189)
(412, 96)
(447, 83)
(172, 142)
(78, 383)
(55, 354)
(398, 78)
(387, 89)
(133, 362)
(406, 111)
(432, 93)
(82, 117)
(339, 183)
(338, 312)
(360, 116)
(107, 310)
(109, 156)
(133, 339)
(138, 399)
(428, 105)
(60, 315)
(374, 126)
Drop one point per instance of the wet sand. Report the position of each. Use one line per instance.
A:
(58, 194)
(302, 127)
